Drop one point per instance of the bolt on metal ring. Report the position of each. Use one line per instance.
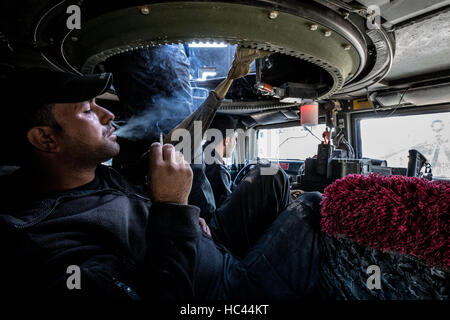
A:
(313, 27)
(145, 10)
(327, 33)
(273, 14)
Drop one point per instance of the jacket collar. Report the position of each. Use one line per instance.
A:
(20, 210)
(218, 158)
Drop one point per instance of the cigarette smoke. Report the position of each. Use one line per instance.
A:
(154, 89)
(163, 114)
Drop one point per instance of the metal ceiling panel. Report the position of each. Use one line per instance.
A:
(401, 10)
(422, 48)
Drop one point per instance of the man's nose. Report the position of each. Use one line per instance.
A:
(105, 116)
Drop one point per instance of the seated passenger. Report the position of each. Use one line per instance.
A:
(217, 173)
(70, 226)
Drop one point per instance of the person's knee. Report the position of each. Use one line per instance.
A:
(311, 208)
(311, 200)
(263, 174)
(274, 181)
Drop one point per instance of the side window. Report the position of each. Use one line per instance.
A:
(390, 138)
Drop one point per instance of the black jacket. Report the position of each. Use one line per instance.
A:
(104, 228)
(220, 179)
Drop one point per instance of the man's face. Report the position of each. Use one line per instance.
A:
(230, 144)
(87, 134)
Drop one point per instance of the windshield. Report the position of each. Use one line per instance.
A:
(390, 139)
(294, 143)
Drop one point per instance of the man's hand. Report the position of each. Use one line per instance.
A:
(204, 227)
(170, 176)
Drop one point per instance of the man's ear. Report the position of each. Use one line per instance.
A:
(43, 139)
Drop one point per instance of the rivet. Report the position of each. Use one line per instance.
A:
(273, 14)
(347, 47)
(327, 33)
(313, 27)
(145, 10)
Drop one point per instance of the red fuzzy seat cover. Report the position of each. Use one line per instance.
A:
(402, 214)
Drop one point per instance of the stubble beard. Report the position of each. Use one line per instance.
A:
(83, 155)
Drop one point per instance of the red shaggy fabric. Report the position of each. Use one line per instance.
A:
(401, 214)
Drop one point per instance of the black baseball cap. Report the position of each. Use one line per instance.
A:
(34, 87)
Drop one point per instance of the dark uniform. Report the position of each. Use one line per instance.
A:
(220, 179)
(128, 248)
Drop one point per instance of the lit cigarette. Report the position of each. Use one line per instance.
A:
(161, 139)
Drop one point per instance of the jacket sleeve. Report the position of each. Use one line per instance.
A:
(99, 276)
(173, 237)
(101, 279)
(202, 194)
(223, 186)
(220, 180)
